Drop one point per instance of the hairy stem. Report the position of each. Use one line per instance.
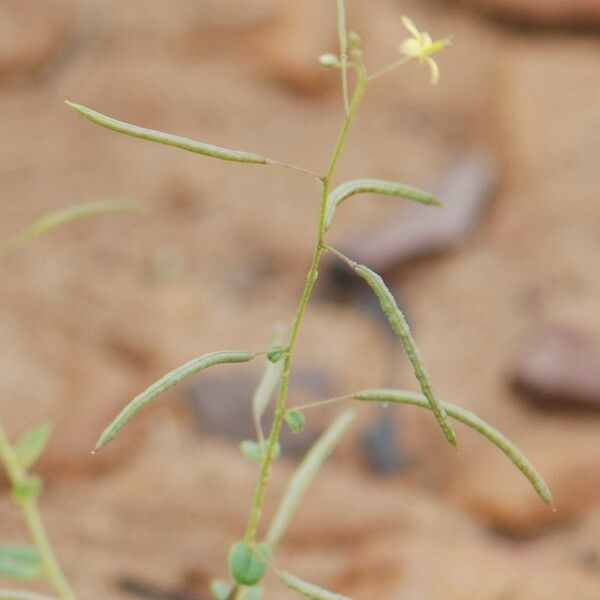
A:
(311, 278)
(33, 519)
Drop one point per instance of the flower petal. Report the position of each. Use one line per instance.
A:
(435, 70)
(408, 23)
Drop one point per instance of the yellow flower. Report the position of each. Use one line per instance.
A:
(421, 47)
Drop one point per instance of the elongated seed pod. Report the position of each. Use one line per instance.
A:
(308, 590)
(166, 138)
(474, 422)
(400, 326)
(166, 382)
(375, 186)
(305, 474)
(74, 213)
(63, 216)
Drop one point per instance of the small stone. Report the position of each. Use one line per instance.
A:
(560, 369)
(380, 447)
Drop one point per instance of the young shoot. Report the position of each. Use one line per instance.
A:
(251, 556)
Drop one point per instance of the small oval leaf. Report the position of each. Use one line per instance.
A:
(165, 138)
(374, 186)
(221, 590)
(400, 326)
(254, 593)
(245, 566)
(308, 590)
(254, 451)
(33, 443)
(20, 562)
(251, 450)
(295, 420)
(168, 381)
(276, 353)
(472, 421)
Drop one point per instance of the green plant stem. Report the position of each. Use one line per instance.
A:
(31, 513)
(265, 471)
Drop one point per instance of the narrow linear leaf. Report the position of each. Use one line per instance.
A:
(266, 387)
(305, 474)
(472, 421)
(33, 443)
(62, 217)
(166, 382)
(22, 595)
(165, 138)
(375, 186)
(400, 326)
(308, 590)
(20, 562)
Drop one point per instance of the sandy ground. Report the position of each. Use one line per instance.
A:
(96, 311)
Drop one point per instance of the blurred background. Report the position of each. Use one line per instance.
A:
(502, 288)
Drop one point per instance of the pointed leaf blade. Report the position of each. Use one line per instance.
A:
(305, 474)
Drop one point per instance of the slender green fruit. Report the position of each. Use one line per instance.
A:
(166, 138)
(62, 217)
(375, 186)
(400, 326)
(168, 381)
(308, 590)
(472, 421)
(305, 474)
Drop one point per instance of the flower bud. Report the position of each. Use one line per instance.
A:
(329, 61)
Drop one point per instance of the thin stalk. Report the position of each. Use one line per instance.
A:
(311, 278)
(389, 68)
(320, 403)
(343, 38)
(341, 256)
(277, 163)
(31, 514)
